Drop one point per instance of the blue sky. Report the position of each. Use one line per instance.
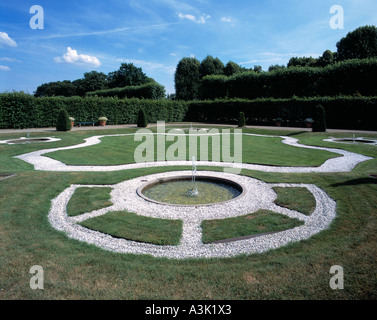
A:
(80, 36)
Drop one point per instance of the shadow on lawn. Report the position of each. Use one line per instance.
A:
(296, 133)
(6, 175)
(371, 180)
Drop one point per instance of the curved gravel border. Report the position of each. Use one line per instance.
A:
(358, 139)
(340, 164)
(258, 195)
(29, 140)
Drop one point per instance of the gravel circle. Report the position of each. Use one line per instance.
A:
(258, 195)
(367, 141)
(25, 140)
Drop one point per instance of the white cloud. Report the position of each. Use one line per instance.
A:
(314, 55)
(269, 58)
(202, 19)
(6, 40)
(4, 68)
(72, 57)
(226, 19)
(7, 59)
(149, 66)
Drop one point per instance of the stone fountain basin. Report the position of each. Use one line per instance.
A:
(360, 140)
(23, 140)
(217, 187)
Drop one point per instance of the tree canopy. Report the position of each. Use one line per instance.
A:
(126, 75)
(56, 88)
(187, 77)
(92, 81)
(232, 68)
(358, 44)
(211, 66)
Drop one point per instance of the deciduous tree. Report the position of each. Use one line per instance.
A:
(126, 75)
(187, 79)
(358, 44)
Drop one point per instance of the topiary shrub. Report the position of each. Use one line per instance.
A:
(63, 122)
(142, 119)
(319, 124)
(241, 120)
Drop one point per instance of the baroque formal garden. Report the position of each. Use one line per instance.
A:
(302, 200)
(243, 184)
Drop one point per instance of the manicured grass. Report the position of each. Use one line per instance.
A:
(271, 151)
(76, 270)
(131, 226)
(120, 150)
(262, 221)
(67, 139)
(296, 198)
(88, 199)
(167, 232)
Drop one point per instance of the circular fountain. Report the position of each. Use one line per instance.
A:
(353, 140)
(182, 190)
(25, 140)
(190, 190)
(256, 195)
(357, 140)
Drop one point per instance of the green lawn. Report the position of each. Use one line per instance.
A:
(260, 222)
(88, 199)
(120, 150)
(298, 199)
(76, 270)
(130, 226)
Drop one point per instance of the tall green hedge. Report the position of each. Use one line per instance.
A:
(213, 87)
(319, 119)
(342, 112)
(351, 77)
(63, 123)
(241, 120)
(150, 90)
(142, 119)
(19, 110)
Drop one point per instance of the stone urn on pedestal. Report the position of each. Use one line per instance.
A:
(72, 121)
(102, 121)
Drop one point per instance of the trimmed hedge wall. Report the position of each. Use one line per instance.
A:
(341, 112)
(151, 90)
(19, 110)
(351, 77)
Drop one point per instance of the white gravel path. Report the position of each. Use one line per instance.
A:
(345, 163)
(29, 140)
(257, 195)
(367, 141)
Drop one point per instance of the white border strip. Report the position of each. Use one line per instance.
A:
(259, 195)
(340, 164)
